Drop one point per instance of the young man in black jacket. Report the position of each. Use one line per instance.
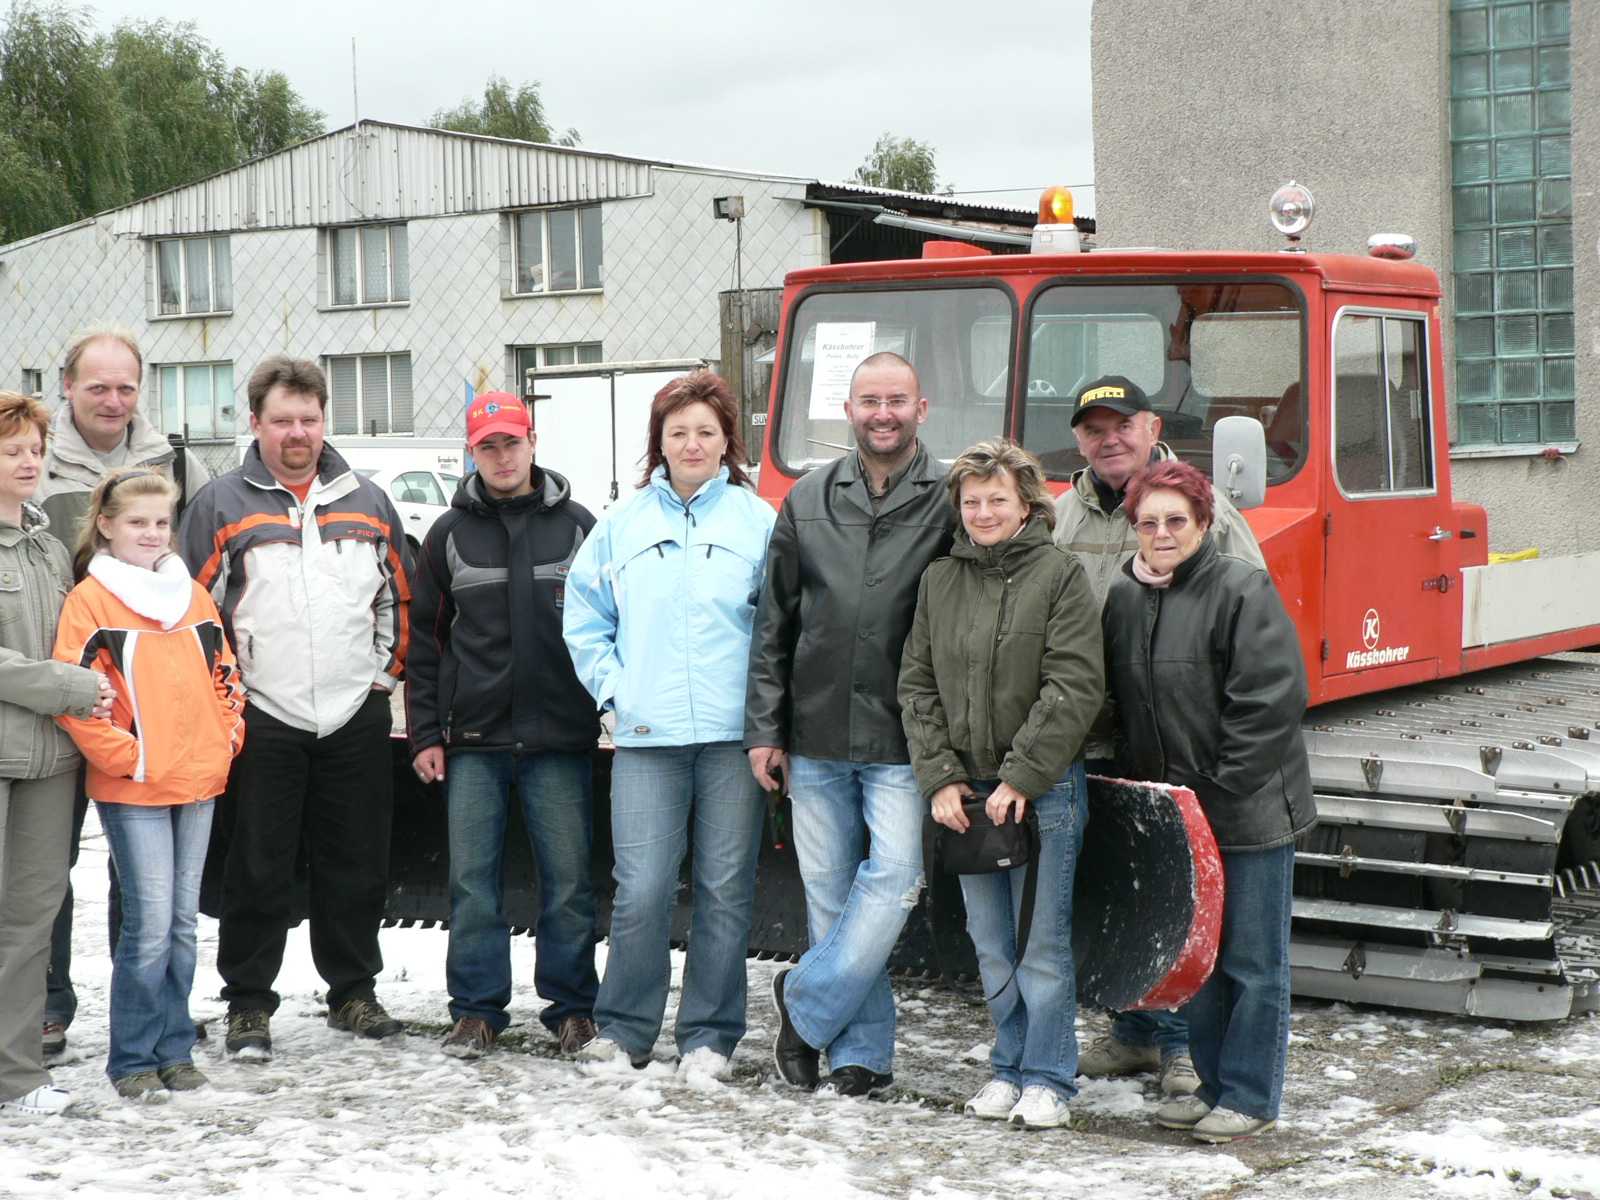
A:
(491, 690)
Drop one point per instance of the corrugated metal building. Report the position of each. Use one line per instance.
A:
(414, 263)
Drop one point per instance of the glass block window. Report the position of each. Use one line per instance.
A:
(1511, 166)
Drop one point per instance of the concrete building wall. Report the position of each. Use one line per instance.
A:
(1202, 108)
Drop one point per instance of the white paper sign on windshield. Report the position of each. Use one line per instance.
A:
(841, 345)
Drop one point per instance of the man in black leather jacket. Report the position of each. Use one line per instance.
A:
(848, 551)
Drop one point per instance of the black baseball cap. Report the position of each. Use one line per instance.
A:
(1116, 392)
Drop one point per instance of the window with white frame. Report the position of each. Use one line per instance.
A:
(32, 381)
(370, 393)
(197, 400)
(194, 276)
(368, 264)
(556, 250)
(559, 354)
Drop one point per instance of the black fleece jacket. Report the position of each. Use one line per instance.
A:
(488, 668)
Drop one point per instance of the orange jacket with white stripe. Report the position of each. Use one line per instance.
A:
(177, 720)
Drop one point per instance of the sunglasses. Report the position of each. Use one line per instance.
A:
(1150, 526)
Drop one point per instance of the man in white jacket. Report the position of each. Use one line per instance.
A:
(310, 571)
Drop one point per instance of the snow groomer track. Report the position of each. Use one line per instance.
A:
(1454, 863)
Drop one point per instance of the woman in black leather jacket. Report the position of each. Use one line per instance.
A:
(1208, 685)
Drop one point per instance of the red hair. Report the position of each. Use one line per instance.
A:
(698, 387)
(1189, 482)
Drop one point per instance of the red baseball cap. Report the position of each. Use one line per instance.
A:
(497, 412)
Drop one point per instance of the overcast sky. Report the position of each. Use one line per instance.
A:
(1000, 89)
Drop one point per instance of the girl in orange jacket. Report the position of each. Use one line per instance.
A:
(156, 765)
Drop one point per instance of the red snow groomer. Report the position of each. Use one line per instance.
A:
(1453, 866)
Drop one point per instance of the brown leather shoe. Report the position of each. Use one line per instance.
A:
(575, 1032)
(471, 1038)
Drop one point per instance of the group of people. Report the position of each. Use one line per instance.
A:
(927, 643)
(253, 665)
(900, 640)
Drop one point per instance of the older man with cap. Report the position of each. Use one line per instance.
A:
(492, 703)
(1119, 434)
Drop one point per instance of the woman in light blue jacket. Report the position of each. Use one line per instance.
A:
(659, 608)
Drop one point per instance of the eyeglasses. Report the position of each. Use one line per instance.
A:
(897, 403)
(1151, 526)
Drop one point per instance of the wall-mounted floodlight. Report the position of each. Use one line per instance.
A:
(728, 208)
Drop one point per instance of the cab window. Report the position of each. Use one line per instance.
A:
(1381, 430)
(959, 339)
(1200, 351)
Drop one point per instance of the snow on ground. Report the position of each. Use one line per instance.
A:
(1378, 1104)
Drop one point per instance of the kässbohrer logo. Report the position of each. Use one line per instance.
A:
(1371, 634)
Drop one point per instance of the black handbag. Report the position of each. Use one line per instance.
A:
(985, 848)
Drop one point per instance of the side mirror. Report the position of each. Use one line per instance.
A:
(1239, 461)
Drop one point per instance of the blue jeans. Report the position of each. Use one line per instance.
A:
(160, 851)
(556, 802)
(1166, 1031)
(839, 997)
(1034, 1040)
(654, 791)
(1239, 1019)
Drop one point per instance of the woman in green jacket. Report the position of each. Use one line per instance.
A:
(1001, 678)
(37, 760)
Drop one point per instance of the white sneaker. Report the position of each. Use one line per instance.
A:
(606, 1050)
(1040, 1108)
(1225, 1125)
(703, 1060)
(1107, 1056)
(1178, 1076)
(43, 1101)
(994, 1101)
(1183, 1113)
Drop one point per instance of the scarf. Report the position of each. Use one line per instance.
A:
(162, 595)
(1147, 575)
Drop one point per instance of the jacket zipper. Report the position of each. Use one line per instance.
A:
(689, 523)
(1150, 675)
(994, 651)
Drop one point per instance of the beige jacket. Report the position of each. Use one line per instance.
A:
(1102, 541)
(71, 469)
(35, 573)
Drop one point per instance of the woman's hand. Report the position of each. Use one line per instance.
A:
(103, 700)
(1003, 799)
(947, 808)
